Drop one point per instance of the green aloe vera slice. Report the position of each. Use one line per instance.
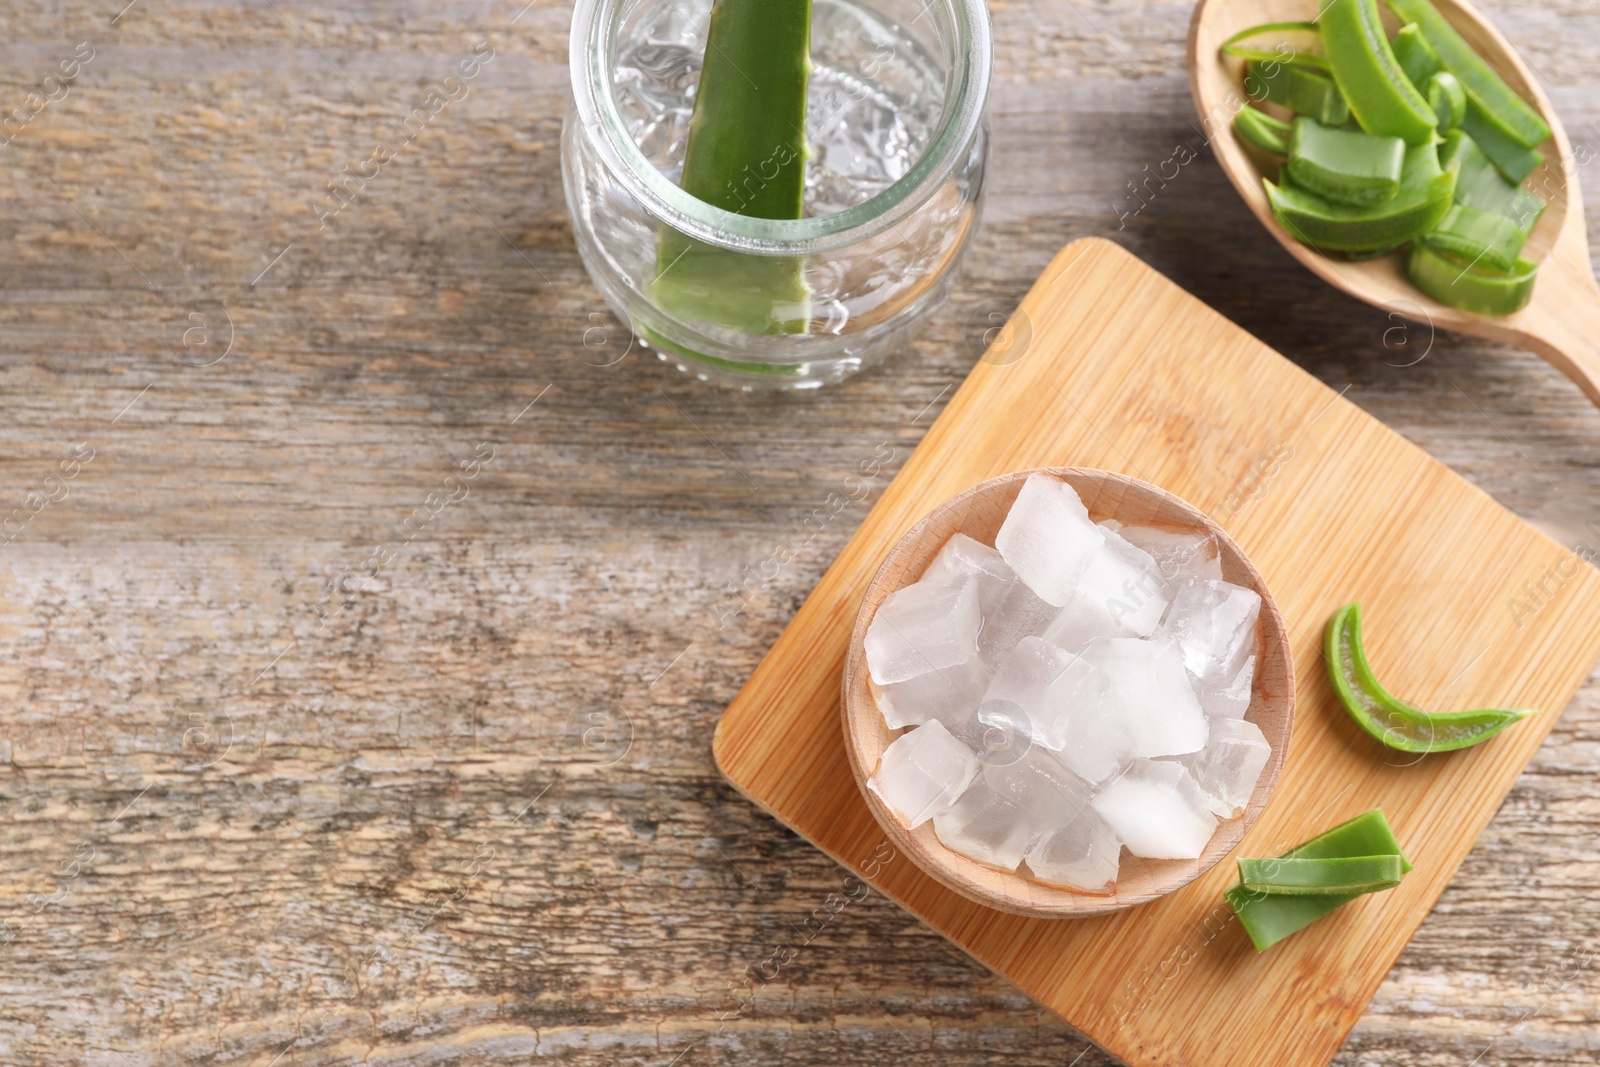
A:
(1262, 130)
(1426, 192)
(1280, 41)
(1448, 100)
(1446, 89)
(1381, 97)
(1415, 55)
(1270, 917)
(1461, 283)
(1309, 877)
(1482, 238)
(1344, 166)
(1481, 185)
(1304, 88)
(1509, 113)
(746, 154)
(1511, 158)
(1395, 723)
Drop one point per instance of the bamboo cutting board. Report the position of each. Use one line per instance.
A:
(1108, 364)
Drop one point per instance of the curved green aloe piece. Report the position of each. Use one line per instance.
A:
(1381, 97)
(1270, 917)
(1448, 100)
(1307, 877)
(1426, 192)
(1459, 283)
(746, 154)
(1394, 722)
(1262, 130)
(1290, 40)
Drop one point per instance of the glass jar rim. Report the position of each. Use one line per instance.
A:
(588, 50)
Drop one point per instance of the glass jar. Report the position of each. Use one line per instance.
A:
(894, 181)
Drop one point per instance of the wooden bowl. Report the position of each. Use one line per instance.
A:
(978, 513)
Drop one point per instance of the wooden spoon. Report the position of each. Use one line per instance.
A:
(1562, 322)
(978, 513)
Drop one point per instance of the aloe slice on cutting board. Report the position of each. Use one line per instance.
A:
(746, 154)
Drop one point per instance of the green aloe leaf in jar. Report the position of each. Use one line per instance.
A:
(746, 154)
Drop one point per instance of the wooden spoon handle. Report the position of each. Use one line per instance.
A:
(1563, 327)
(1562, 324)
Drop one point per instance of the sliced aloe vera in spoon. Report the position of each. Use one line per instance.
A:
(1415, 55)
(1262, 130)
(1303, 88)
(1507, 110)
(1448, 100)
(1426, 192)
(1461, 283)
(1344, 166)
(1482, 238)
(1278, 41)
(1381, 96)
(1481, 185)
(1510, 158)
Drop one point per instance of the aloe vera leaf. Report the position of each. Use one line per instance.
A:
(1364, 66)
(1301, 87)
(746, 154)
(1388, 719)
(1415, 55)
(1447, 98)
(1294, 40)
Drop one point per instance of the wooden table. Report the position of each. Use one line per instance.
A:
(262, 805)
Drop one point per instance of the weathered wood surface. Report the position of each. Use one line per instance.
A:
(465, 811)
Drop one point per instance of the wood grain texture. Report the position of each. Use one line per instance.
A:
(1176, 981)
(583, 617)
(978, 512)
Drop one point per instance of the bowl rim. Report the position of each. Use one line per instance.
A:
(1022, 895)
